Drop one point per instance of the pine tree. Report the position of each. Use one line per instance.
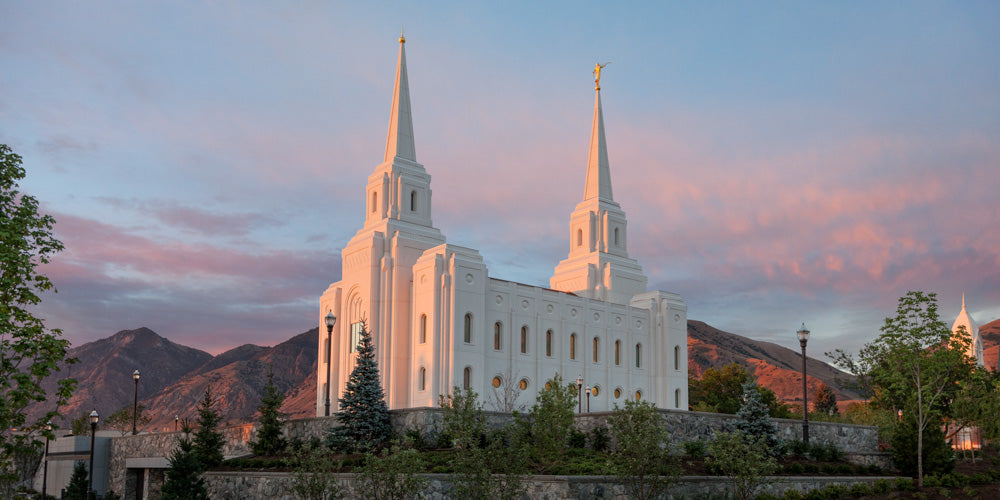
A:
(184, 479)
(77, 489)
(364, 416)
(208, 440)
(269, 439)
(755, 421)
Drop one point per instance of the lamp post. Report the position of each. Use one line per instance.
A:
(330, 320)
(177, 419)
(803, 338)
(588, 399)
(90, 476)
(579, 394)
(135, 400)
(45, 471)
(899, 413)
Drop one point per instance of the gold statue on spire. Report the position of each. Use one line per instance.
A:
(597, 74)
(402, 39)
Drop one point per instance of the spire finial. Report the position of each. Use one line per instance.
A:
(597, 74)
(963, 300)
(402, 38)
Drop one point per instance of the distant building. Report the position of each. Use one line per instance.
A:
(976, 347)
(439, 320)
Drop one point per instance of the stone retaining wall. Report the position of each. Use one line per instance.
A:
(859, 443)
(277, 486)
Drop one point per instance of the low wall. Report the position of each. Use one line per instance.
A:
(858, 442)
(277, 485)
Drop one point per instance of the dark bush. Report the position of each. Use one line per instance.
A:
(577, 439)
(939, 458)
(695, 449)
(882, 486)
(599, 438)
(797, 448)
(860, 490)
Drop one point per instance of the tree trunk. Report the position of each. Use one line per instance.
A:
(920, 432)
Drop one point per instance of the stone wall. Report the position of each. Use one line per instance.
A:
(278, 485)
(858, 442)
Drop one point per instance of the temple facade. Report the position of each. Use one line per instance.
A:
(439, 320)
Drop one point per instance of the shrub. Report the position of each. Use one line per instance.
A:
(755, 421)
(745, 459)
(860, 490)
(577, 439)
(825, 452)
(641, 456)
(792, 495)
(939, 458)
(391, 475)
(695, 449)
(797, 448)
(904, 484)
(794, 468)
(599, 438)
(313, 476)
(882, 486)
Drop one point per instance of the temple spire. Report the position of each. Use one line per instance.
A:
(598, 169)
(399, 140)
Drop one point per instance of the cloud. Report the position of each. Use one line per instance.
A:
(194, 220)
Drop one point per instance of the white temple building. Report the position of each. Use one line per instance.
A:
(965, 319)
(439, 320)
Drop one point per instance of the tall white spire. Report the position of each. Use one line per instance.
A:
(598, 169)
(965, 319)
(399, 140)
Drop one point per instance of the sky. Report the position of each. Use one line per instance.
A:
(780, 163)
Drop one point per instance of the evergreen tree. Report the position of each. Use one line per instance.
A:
(77, 488)
(269, 439)
(363, 416)
(208, 440)
(755, 421)
(184, 481)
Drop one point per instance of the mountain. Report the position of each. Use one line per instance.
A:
(104, 372)
(237, 378)
(990, 333)
(777, 368)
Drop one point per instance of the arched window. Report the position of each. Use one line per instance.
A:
(597, 345)
(548, 343)
(595, 391)
(413, 208)
(468, 328)
(677, 398)
(524, 339)
(467, 378)
(618, 354)
(638, 395)
(638, 355)
(616, 236)
(677, 357)
(497, 335)
(497, 381)
(423, 328)
(579, 237)
(523, 384)
(374, 201)
(423, 379)
(572, 346)
(618, 392)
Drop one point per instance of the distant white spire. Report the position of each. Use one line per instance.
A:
(972, 329)
(598, 169)
(399, 140)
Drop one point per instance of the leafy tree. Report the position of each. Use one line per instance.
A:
(313, 475)
(77, 488)
(755, 422)
(390, 476)
(720, 390)
(269, 438)
(363, 416)
(825, 400)
(184, 479)
(208, 440)
(743, 458)
(641, 457)
(496, 471)
(80, 426)
(546, 431)
(29, 352)
(121, 420)
(916, 364)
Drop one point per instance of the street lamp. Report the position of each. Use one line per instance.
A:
(177, 418)
(330, 320)
(803, 338)
(93, 430)
(899, 413)
(135, 400)
(588, 399)
(45, 471)
(579, 394)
